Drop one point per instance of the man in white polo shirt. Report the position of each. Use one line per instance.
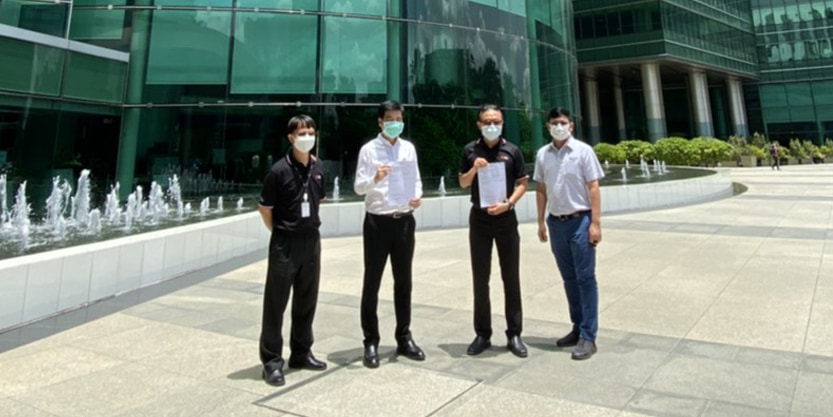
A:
(567, 173)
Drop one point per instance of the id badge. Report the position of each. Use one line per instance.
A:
(305, 209)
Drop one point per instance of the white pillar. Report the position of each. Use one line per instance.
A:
(699, 92)
(654, 106)
(737, 107)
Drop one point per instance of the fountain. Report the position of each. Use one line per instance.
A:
(442, 190)
(155, 203)
(336, 191)
(220, 204)
(81, 201)
(112, 211)
(175, 196)
(627, 164)
(4, 215)
(624, 175)
(607, 165)
(662, 168)
(56, 205)
(95, 221)
(187, 210)
(240, 204)
(205, 204)
(20, 215)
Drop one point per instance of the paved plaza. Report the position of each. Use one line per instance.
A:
(717, 309)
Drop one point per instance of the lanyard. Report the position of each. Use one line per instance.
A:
(297, 172)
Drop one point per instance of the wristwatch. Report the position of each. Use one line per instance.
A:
(511, 204)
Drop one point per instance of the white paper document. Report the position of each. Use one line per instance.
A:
(491, 182)
(401, 183)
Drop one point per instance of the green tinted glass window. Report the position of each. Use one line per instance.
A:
(261, 65)
(97, 24)
(189, 47)
(354, 54)
(30, 68)
(374, 7)
(43, 17)
(93, 78)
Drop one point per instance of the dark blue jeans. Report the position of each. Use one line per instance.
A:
(576, 261)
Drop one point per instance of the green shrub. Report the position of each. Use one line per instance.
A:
(610, 153)
(676, 151)
(827, 149)
(784, 152)
(637, 148)
(797, 149)
(756, 151)
(712, 150)
(758, 140)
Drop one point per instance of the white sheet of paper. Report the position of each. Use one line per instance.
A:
(401, 183)
(491, 182)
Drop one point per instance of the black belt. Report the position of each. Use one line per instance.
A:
(565, 217)
(395, 215)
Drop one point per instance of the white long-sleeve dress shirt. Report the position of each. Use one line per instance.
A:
(375, 153)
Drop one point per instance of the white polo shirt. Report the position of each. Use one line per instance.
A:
(565, 173)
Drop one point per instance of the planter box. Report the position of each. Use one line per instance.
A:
(749, 160)
(806, 161)
(728, 164)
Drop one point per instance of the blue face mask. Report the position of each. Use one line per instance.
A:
(393, 129)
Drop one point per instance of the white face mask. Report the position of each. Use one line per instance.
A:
(560, 132)
(304, 143)
(491, 132)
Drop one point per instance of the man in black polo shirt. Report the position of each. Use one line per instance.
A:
(496, 222)
(289, 202)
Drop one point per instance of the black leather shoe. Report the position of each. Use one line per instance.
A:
(273, 375)
(477, 346)
(517, 347)
(307, 362)
(571, 339)
(371, 356)
(410, 350)
(584, 350)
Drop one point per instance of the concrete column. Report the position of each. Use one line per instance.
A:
(621, 128)
(654, 106)
(131, 118)
(591, 108)
(699, 93)
(737, 107)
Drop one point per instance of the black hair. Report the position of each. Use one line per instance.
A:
(301, 120)
(386, 106)
(559, 112)
(486, 107)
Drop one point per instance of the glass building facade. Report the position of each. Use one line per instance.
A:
(139, 89)
(795, 96)
(658, 68)
(211, 84)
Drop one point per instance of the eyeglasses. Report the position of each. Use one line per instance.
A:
(560, 123)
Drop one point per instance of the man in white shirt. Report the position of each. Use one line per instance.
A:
(388, 177)
(568, 172)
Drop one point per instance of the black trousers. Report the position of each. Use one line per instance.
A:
(294, 264)
(385, 236)
(503, 231)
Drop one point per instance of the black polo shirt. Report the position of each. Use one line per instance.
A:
(505, 152)
(283, 190)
